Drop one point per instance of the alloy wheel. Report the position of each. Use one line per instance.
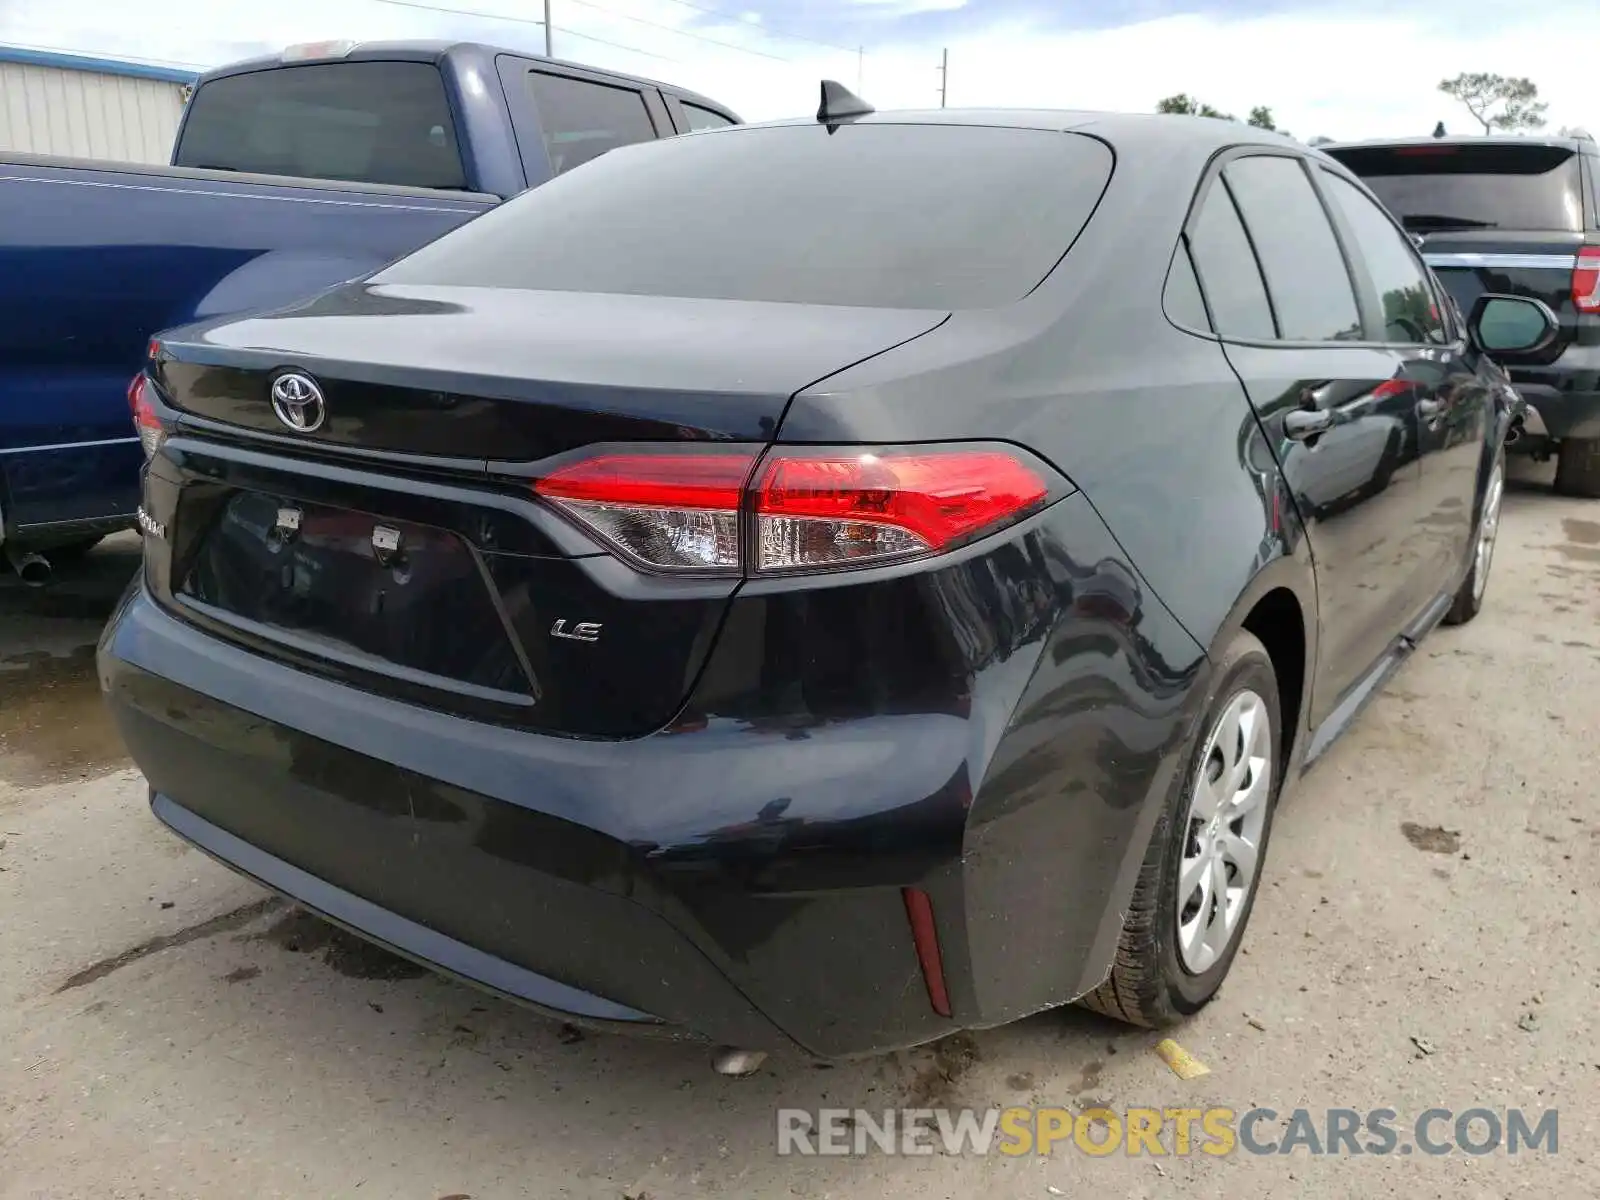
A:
(1488, 529)
(1223, 831)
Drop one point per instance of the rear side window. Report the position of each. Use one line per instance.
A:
(366, 122)
(1227, 268)
(871, 215)
(703, 118)
(1300, 257)
(1183, 301)
(1410, 314)
(1444, 186)
(582, 120)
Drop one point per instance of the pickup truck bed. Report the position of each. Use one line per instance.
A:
(111, 254)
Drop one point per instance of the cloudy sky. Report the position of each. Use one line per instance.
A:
(1343, 70)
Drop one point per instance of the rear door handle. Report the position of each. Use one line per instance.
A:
(1303, 423)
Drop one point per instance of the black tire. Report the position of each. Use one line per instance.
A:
(1469, 597)
(1578, 468)
(1149, 985)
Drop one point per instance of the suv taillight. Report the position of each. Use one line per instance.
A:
(145, 421)
(795, 509)
(1586, 280)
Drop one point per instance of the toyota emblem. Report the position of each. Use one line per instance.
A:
(298, 401)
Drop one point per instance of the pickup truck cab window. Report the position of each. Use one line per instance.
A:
(362, 122)
(582, 119)
(702, 118)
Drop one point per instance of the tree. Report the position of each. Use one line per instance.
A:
(1186, 105)
(1498, 101)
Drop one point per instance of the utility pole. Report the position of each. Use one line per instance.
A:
(861, 67)
(944, 73)
(548, 41)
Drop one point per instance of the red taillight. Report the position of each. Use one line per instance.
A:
(835, 510)
(804, 509)
(145, 420)
(678, 512)
(1586, 280)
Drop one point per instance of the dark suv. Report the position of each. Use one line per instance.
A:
(1514, 215)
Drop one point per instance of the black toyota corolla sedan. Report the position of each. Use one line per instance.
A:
(822, 584)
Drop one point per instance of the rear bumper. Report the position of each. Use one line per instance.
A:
(1560, 405)
(738, 876)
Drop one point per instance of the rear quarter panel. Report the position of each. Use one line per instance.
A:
(1153, 427)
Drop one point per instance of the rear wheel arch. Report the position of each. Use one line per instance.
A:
(1279, 606)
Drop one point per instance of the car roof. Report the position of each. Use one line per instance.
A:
(1120, 128)
(1580, 145)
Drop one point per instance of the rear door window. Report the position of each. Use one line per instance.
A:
(582, 119)
(1433, 187)
(1305, 270)
(364, 122)
(1410, 314)
(1228, 270)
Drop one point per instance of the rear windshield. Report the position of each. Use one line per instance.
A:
(1474, 187)
(366, 122)
(876, 216)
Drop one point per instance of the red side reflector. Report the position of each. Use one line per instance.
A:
(1586, 280)
(919, 912)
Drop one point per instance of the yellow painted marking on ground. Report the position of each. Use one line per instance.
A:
(1184, 1065)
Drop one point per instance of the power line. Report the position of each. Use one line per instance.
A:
(589, 37)
(460, 12)
(799, 37)
(485, 16)
(699, 37)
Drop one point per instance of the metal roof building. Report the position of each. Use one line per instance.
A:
(68, 104)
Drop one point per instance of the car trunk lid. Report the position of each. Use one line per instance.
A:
(398, 544)
(508, 375)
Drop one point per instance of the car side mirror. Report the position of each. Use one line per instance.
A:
(1511, 324)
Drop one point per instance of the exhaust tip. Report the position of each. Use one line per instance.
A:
(33, 569)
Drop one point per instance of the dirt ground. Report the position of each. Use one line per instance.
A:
(1425, 939)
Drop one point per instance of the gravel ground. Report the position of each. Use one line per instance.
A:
(167, 1030)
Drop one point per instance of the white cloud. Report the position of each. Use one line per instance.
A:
(1338, 75)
